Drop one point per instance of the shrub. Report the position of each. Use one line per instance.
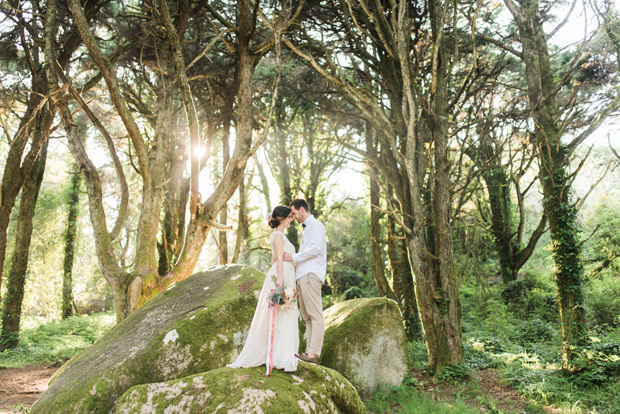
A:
(517, 291)
(607, 348)
(596, 365)
(20, 409)
(353, 293)
(456, 373)
(417, 353)
(543, 305)
(533, 330)
(499, 321)
(528, 297)
(56, 342)
(478, 354)
(603, 301)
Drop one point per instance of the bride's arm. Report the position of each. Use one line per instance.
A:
(277, 246)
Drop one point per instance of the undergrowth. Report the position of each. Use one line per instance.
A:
(56, 342)
(408, 399)
(516, 330)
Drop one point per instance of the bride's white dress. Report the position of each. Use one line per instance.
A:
(286, 333)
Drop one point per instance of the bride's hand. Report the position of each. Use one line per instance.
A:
(279, 283)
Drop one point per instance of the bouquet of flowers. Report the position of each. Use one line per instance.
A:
(282, 295)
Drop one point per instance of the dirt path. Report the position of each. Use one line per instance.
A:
(486, 395)
(23, 385)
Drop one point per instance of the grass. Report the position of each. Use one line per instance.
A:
(407, 399)
(56, 342)
(20, 409)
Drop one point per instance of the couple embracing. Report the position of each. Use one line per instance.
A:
(276, 342)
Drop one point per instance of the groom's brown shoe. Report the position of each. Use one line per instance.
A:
(304, 357)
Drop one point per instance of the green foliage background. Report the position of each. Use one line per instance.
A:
(43, 290)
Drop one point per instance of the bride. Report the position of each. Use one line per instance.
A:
(286, 333)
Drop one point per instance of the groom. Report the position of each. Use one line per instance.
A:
(311, 261)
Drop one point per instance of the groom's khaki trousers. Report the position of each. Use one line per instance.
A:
(311, 309)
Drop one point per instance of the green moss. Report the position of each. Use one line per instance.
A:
(311, 389)
(194, 326)
(345, 319)
(365, 341)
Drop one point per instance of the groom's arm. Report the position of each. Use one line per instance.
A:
(312, 244)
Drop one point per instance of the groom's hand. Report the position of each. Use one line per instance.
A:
(287, 257)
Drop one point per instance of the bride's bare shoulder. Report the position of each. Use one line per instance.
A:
(277, 233)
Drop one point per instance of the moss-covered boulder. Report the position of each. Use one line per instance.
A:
(365, 341)
(311, 389)
(194, 326)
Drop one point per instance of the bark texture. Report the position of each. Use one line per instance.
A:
(73, 204)
(378, 265)
(243, 224)
(11, 313)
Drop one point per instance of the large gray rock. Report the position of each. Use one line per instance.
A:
(365, 341)
(311, 389)
(194, 326)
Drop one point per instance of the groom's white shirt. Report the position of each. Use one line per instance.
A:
(312, 255)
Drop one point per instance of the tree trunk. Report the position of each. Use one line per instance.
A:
(135, 288)
(223, 236)
(176, 196)
(378, 266)
(198, 229)
(11, 315)
(498, 189)
(511, 255)
(243, 230)
(446, 294)
(146, 264)
(566, 249)
(430, 248)
(264, 189)
(507, 241)
(286, 188)
(151, 166)
(5, 220)
(17, 167)
(405, 157)
(403, 281)
(554, 158)
(73, 205)
(433, 301)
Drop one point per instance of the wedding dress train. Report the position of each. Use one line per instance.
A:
(286, 332)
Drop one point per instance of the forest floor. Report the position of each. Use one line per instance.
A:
(487, 388)
(482, 392)
(23, 385)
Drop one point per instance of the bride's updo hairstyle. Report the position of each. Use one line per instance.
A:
(279, 213)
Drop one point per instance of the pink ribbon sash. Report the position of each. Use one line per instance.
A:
(272, 322)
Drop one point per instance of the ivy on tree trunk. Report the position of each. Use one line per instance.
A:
(11, 314)
(73, 204)
(554, 159)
